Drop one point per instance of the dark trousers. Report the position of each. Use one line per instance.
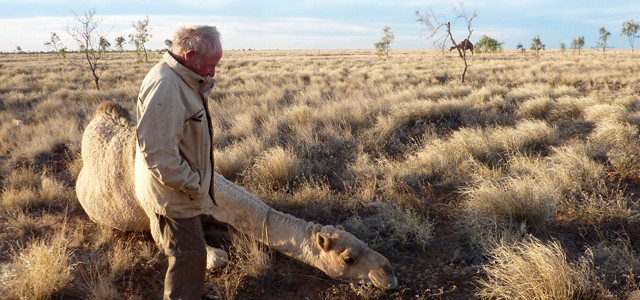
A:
(184, 246)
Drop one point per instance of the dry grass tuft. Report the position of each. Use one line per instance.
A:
(626, 160)
(569, 109)
(393, 227)
(114, 262)
(22, 225)
(618, 262)
(525, 203)
(574, 170)
(26, 190)
(122, 258)
(537, 108)
(607, 205)
(21, 198)
(532, 269)
(97, 284)
(457, 159)
(408, 227)
(40, 270)
(233, 160)
(249, 259)
(617, 141)
(275, 168)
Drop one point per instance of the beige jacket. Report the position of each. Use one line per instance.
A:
(174, 158)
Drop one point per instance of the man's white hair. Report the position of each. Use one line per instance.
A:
(199, 38)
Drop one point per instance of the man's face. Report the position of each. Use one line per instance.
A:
(204, 64)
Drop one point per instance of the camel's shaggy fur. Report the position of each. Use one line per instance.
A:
(108, 151)
(106, 192)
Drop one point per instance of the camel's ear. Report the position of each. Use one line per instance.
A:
(339, 227)
(323, 240)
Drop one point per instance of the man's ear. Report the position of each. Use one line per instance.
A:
(189, 55)
(323, 241)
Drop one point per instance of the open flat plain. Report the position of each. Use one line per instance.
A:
(522, 182)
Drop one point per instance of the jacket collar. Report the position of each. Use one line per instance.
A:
(195, 81)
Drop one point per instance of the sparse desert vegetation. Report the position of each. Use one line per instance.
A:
(522, 182)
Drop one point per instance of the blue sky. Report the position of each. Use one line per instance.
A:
(325, 24)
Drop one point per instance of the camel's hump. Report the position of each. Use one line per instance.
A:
(114, 110)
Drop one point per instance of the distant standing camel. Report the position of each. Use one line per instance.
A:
(464, 45)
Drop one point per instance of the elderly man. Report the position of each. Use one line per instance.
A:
(174, 157)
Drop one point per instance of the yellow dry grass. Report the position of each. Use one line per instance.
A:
(40, 271)
(533, 269)
(433, 173)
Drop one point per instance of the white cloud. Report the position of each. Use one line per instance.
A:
(237, 32)
(401, 3)
(119, 3)
(209, 3)
(292, 33)
(25, 2)
(30, 33)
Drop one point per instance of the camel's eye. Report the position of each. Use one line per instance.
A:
(349, 256)
(349, 260)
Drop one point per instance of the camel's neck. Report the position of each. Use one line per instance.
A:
(282, 232)
(290, 235)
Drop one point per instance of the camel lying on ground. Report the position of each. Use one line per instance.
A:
(105, 189)
(464, 45)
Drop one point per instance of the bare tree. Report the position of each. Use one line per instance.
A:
(54, 42)
(92, 45)
(435, 23)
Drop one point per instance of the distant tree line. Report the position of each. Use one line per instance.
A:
(630, 29)
(487, 44)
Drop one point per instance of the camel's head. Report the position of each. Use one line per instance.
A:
(345, 257)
